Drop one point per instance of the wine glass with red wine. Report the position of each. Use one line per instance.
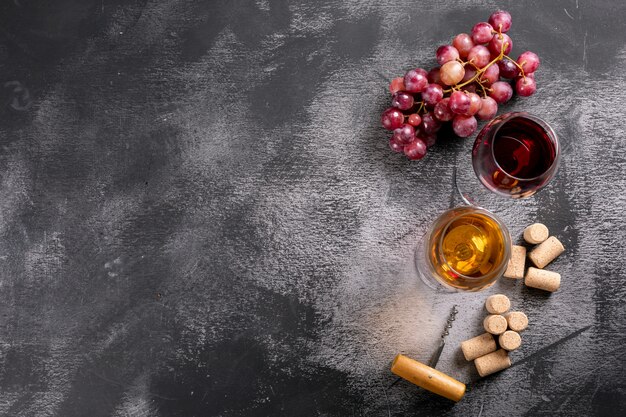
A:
(516, 154)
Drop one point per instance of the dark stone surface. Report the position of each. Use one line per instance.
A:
(199, 215)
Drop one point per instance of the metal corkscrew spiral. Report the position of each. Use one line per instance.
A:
(451, 318)
(446, 331)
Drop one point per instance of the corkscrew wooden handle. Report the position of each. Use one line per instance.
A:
(428, 378)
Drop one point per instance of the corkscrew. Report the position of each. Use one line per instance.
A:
(446, 331)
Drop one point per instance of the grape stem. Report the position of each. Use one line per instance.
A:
(419, 109)
(479, 72)
(484, 90)
(472, 64)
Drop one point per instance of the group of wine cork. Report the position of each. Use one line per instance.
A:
(501, 322)
(548, 249)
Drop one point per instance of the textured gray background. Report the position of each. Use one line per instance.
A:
(199, 214)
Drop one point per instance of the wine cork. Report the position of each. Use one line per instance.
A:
(517, 263)
(517, 320)
(510, 340)
(542, 279)
(428, 378)
(478, 346)
(493, 362)
(497, 304)
(536, 233)
(546, 252)
(495, 324)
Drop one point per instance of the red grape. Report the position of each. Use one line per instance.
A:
(459, 102)
(501, 92)
(415, 81)
(415, 150)
(433, 76)
(481, 33)
(490, 75)
(442, 111)
(430, 124)
(446, 53)
(397, 84)
(529, 61)
(395, 146)
(392, 118)
(495, 45)
(451, 72)
(470, 72)
(525, 86)
(415, 119)
(463, 43)
(428, 138)
(404, 134)
(508, 69)
(432, 94)
(475, 104)
(488, 108)
(464, 126)
(479, 55)
(500, 21)
(402, 100)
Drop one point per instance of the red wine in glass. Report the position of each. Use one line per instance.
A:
(516, 155)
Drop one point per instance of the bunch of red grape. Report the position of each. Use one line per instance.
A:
(467, 85)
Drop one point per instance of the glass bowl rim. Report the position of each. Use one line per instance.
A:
(543, 125)
(504, 231)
